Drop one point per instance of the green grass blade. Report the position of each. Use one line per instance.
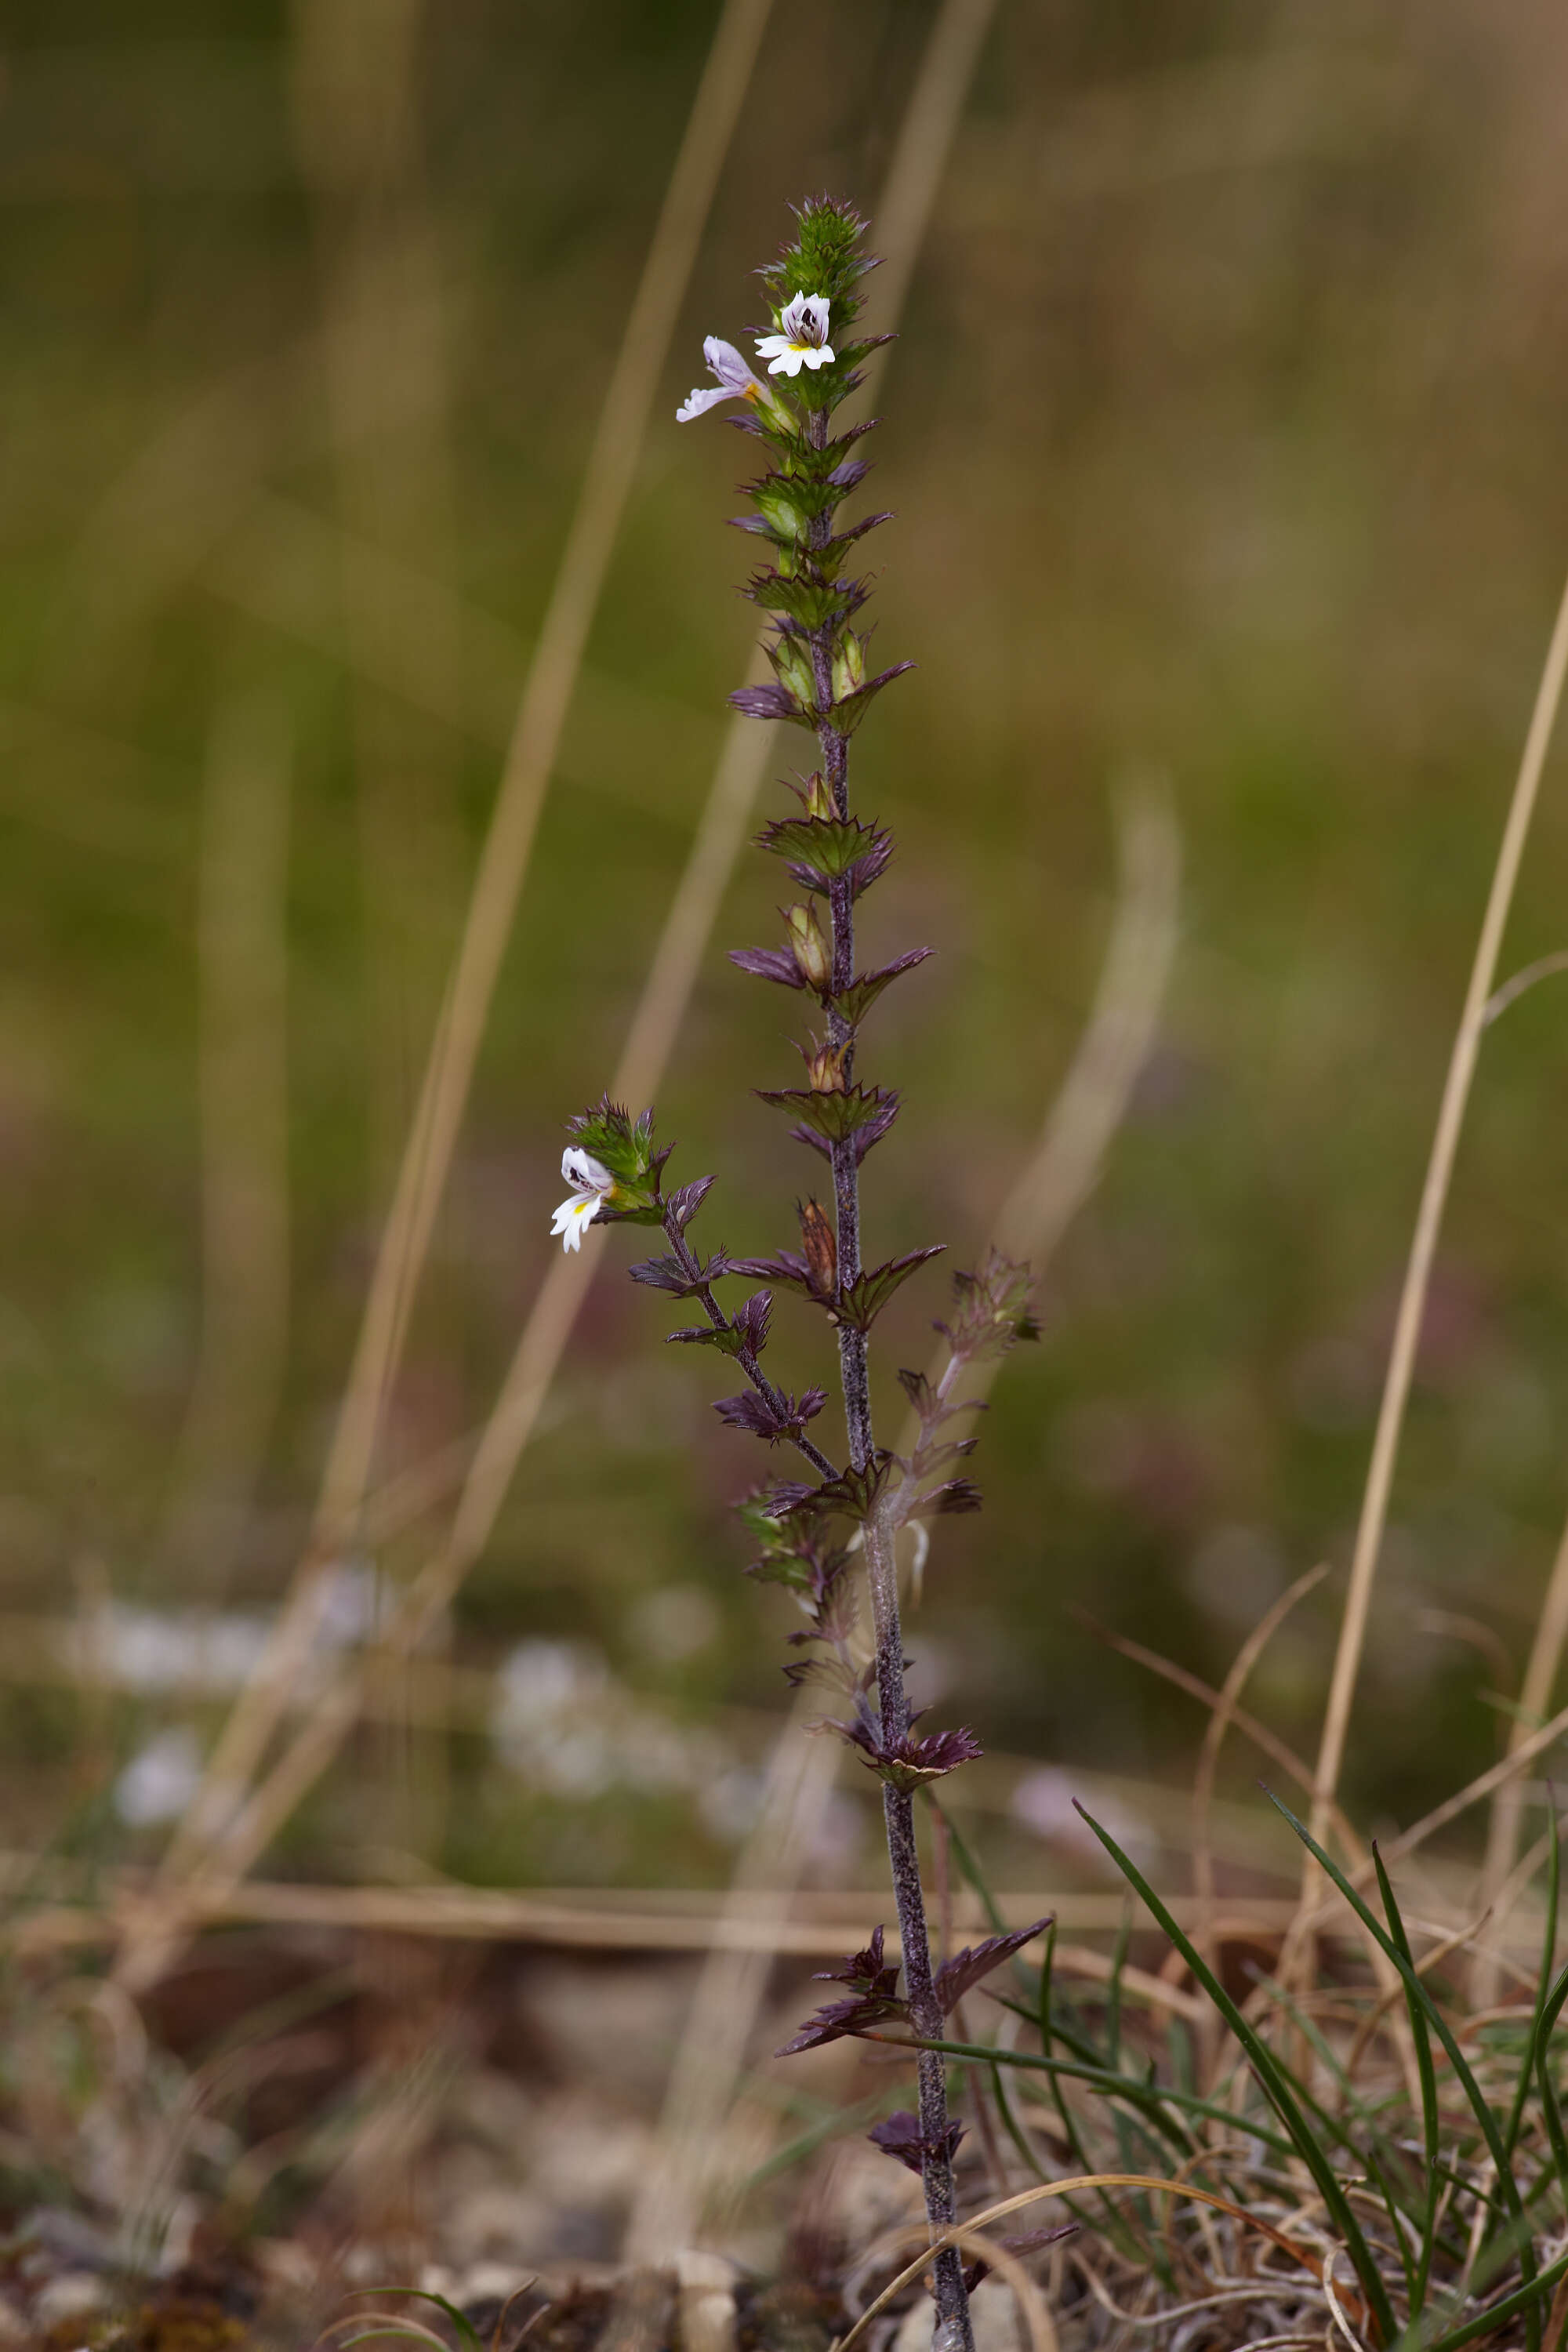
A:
(1548, 2105)
(1113, 1993)
(1431, 2118)
(1479, 2107)
(1549, 1953)
(963, 1854)
(1375, 2150)
(1275, 2090)
(1522, 2299)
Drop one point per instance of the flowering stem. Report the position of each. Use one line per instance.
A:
(703, 1292)
(955, 2329)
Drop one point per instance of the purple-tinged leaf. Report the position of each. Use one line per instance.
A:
(770, 963)
(946, 1501)
(753, 1412)
(866, 1970)
(909, 1763)
(786, 1270)
(850, 709)
(991, 1309)
(855, 1001)
(842, 539)
(865, 1137)
(965, 1969)
(861, 1302)
(684, 1204)
(834, 1117)
(859, 874)
(899, 2134)
(838, 2019)
(704, 1335)
(766, 702)
(753, 1319)
(849, 1497)
(852, 471)
(669, 1274)
(826, 846)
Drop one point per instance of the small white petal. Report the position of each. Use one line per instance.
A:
(787, 363)
(817, 357)
(572, 1215)
(583, 1172)
(767, 345)
(700, 400)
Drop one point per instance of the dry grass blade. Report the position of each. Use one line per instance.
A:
(1259, 1733)
(967, 2232)
(1535, 1698)
(1221, 1717)
(1423, 1242)
(542, 714)
(1032, 2306)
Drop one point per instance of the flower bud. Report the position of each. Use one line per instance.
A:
(821, 1248)
(825, 1067)
(812, 956)
(816, 798)
(848, 666)
(791, 663)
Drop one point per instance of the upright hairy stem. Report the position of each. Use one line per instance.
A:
(955, 2330)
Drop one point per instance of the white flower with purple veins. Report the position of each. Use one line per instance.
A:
(736, 382)
(591, 1185)
(803, 340)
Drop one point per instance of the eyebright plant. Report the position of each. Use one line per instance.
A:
(809, 1531)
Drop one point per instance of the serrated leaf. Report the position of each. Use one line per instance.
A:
(769, 702)
(829, 845)
(861, 1301)
(850, 1496)
(752, 1412)
(859, 876)
(770, 963)
(966, 1968)
(834, 1117)
(952, 1497)
(728, 1341)
(855, 1001)
(864, 1138)
(684, 1204)
(668, 1273)
(850, 709)
(787, 1270)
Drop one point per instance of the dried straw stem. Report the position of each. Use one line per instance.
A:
(1534, 1698)
(1423, 1242)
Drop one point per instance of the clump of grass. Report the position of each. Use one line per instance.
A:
(1369, 2163)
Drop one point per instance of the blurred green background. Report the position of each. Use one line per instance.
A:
(1225, 437)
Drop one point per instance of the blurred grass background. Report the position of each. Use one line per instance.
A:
(1225, 434)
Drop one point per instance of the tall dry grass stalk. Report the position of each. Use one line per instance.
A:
(1535, 1698)
(503, 862)
(387, 379)
(1423, 1242)
(243, 1092)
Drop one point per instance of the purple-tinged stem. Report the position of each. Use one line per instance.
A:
(703, 1292)
(955, 2330)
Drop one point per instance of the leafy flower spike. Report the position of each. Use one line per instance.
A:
(803, 340)
(822, 682)
(735, 381)
(592, 1184)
